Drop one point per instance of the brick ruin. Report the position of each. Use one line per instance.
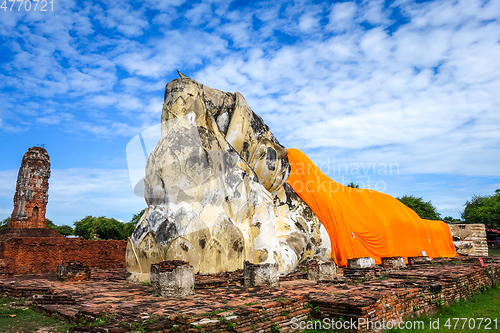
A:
(221, 303)
(32, 190)
(28, 246)
(37, 255)
(73, 271)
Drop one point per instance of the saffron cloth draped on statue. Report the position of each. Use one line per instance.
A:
(363, 222)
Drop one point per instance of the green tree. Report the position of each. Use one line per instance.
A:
(105, 228)
(483, 209)
(450, 219)
(109, 228)
(85, 227)
(137, 217)
(352, 185)
(65, 230)
(424, 209)
(4, 224)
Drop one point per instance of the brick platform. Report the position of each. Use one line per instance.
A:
(35, 255)
(9, 233)
(399, 295)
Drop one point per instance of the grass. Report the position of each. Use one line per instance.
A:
(494, 251)
(25, 319)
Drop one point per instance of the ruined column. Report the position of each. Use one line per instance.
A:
(260, 275)
(30, 200)
(357, 263)
(393, 262)
(321, 271)
(172, 278)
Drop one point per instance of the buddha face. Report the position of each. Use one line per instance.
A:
(245, 131)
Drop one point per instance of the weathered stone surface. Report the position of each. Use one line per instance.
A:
(319, 271)
(216, 190)
(30, 200)
(356, 263)
(172, 278)
(393, 262)
(423, 260)
(73, 271)
(469, 239)
(260, 275)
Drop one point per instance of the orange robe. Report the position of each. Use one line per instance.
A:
(363, 222)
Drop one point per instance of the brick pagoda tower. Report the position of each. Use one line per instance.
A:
(28, 246)
(30, 200)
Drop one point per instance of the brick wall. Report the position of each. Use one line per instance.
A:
(36, 255)
(407, 294)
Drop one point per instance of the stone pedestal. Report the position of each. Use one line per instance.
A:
(172, 278)
(260, 275)
(73, 271)
(419, 260)
(393, 262)
(318, 270)
(356, 263)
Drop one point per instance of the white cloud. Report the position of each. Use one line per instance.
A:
(307, 22)
(407, 90)
(419, 87)
(342, 16)
(7, 190)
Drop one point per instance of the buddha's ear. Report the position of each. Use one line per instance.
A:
(281, 151)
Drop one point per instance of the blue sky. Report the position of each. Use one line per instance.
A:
(412, 84)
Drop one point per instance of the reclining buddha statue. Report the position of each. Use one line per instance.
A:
(217, 192)
(222, 190)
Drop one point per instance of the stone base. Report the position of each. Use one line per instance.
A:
(393, 262)
(356, 263)
(419, 260)
(172, 278)
(260, 275)
(73, 271)
(318, 271)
